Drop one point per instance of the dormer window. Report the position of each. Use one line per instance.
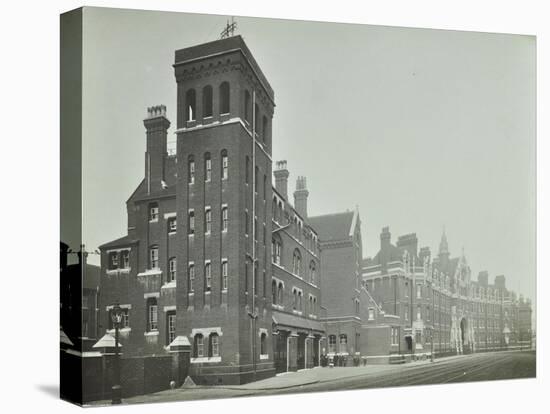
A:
(153, 212)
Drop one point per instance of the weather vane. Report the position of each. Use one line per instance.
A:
(229, 29)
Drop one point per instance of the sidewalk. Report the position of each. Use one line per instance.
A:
(279, 382)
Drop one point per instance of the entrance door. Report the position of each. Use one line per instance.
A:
(316, 351)
(279, 351)
(301, 360)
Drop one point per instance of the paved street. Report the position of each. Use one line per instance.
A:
(476, 367)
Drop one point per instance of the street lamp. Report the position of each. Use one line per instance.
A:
(116, 317)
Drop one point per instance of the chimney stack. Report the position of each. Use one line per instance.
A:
(385, 238)
(300, 196)
(281, 178)
(156, 125)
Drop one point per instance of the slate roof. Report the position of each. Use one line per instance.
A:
(332, 227)
(120, 242)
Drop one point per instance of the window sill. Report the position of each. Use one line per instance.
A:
(151, 333)
(171, 233)
(201, 360)
(264, 356)
(169, 285)
(154, 221)
(121, 330)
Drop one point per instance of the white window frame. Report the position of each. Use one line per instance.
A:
(225, 167)
(172, 225)
(208, 170)
(153, 213)
(171, 326)
(225, 218)
(191, 172)
(172, 268)
(208, 275)
(225, 269)
(207, 220)
(191, 276)
(153, 317)
(154, 257)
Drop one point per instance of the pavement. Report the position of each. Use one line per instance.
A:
(325, 378)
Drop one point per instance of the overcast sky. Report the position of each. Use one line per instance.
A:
(421, 129)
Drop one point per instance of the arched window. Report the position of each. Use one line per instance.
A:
(214, 345)
(274, 292)
(198, 346)
(224, 98)
(207, 101)
(225, 165)
(207, 167)
(296, 262)
(275, 211)
(191, 222)
(191, 170)
(280, 294)
(172, 269)
(263, 343)
(294, 299)
(343, 343)
(312, 272)
(247, 107)
(300, 303)
(190, 105)
(276, 248)
(152, 314)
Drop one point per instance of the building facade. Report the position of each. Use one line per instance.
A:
(431, 304)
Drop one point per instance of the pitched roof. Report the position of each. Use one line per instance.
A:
(333, 227)
(120, 242)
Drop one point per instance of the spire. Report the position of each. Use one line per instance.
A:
(443, 245)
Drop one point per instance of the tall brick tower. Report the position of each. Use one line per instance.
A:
(224, 111)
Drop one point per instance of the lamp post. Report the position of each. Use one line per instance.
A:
(116, 317)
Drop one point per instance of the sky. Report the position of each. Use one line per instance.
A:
(422, 130)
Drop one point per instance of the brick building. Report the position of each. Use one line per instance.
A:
(427, 304)
(215, 256)
(342, 290)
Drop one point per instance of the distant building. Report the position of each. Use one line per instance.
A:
(432, 304)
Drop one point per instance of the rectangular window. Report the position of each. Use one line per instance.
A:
(172, 270)
(154, 212)
(371, 314)
(332, 344)
(172, 225)
(208, 276)
(264, 235)
(208, 220)
(246, 222)
(191, 224)
(125, 259)
(125, 318)
(394, 336)
(256, 228)
(215, 343)
(153, 317)
(154, 257)
(343, 343)
(113, 262)
(191, 275)
(171, 325)
(224, 274)
(225, 218)
(418, 291)
(200, 346)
